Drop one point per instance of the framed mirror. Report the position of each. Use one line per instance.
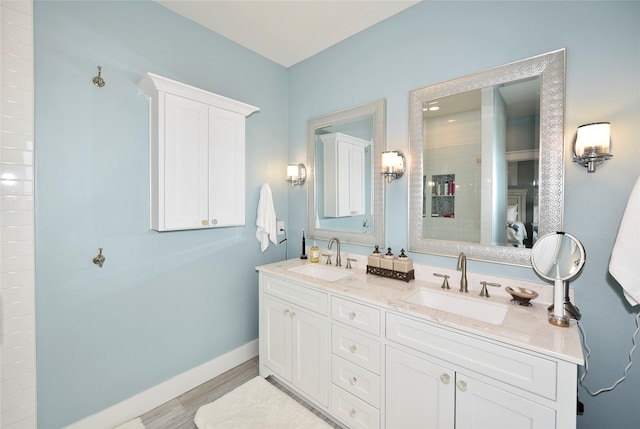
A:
(346, 191)
(487, 161)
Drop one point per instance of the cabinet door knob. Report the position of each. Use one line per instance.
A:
(286, 312)
(445, 378)
(352, 315)
(293, 314)
(353, 348)
(462, 385)
(214, 221)
(205, 222)
(353, 380)
(352, 412)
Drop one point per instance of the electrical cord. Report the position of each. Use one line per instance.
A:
(286, 244)
(586, 359)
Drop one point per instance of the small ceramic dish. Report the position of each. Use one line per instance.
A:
(521, 295)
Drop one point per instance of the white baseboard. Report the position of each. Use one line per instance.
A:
(157, 395)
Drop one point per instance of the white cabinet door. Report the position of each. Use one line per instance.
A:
(419, 393)
(296, 347)
(344, 174)
(226, 168)
(185, 178)
(481, 406)
(276, 350)
(311, 355)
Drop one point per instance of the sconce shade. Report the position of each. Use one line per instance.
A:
(592, 145)
(296, 174)
(392, 165)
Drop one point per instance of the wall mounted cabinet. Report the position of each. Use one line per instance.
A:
(197, 156)
(344, 174)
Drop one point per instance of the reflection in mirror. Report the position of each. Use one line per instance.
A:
(486, 161)
(346, 196)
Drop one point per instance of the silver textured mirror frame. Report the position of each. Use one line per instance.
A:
(376, 109)
(551, 68)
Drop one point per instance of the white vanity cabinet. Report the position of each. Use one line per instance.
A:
(294, 336)
(344, 173)
(197, 152)
(368, 363)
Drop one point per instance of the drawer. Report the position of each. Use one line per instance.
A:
(522, 370)
(356, 380)
(352, 411)
(356, 348)
(356, 315)
(296, 294)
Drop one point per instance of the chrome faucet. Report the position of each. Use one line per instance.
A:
(338, 259)
(462, 266)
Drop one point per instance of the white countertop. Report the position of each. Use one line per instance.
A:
(525, 327)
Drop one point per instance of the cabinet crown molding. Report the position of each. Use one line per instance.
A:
(151, 84)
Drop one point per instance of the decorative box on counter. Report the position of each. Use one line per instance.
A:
(400, 268)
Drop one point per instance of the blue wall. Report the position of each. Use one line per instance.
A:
(436, 41)
(163, 303)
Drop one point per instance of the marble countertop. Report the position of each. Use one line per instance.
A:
(525, 327)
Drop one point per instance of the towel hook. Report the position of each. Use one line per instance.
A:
(99, 259)
(97, 80)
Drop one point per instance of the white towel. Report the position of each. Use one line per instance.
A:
(266, 219)
(624, 265)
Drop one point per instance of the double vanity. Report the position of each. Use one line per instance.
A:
(373, 352)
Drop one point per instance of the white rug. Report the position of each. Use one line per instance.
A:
(257, 404)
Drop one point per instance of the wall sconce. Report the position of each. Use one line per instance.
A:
(296, 174)
(392, 165)
(592, 145)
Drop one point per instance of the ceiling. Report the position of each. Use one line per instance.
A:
(287, 31)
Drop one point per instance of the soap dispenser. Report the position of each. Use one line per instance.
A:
(314, 252)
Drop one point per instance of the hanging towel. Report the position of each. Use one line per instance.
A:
(624, 265)
(266, 219)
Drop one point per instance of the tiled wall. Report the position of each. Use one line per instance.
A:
(458, 157)
(17, 355)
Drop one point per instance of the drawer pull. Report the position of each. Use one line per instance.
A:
(462, 385)
(352, 412)
(352, 315)
(353, 348)
(353, 381)
(445, 378)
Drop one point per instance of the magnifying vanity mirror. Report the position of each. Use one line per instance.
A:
(559, 257)
(487, 160)
(346, 195)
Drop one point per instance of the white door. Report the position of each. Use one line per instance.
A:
(311, 355)
(419, 393)
(481, 406)
(186, 182)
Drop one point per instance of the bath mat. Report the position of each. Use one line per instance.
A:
(257, 404)
(133, 424)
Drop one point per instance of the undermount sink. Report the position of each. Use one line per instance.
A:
(489, 312)
(320, 272)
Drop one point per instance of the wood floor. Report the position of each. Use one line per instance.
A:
(179, 412)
